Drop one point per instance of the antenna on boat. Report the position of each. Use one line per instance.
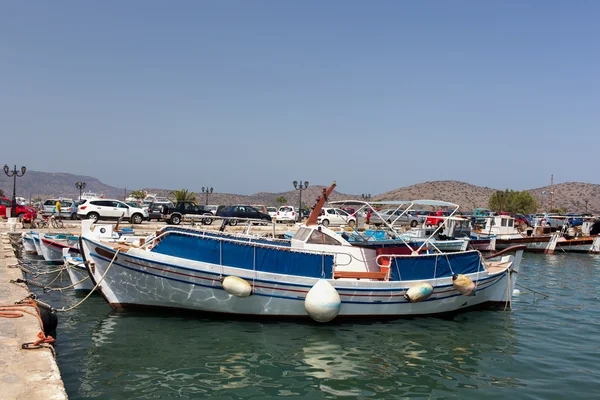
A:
(314, 215)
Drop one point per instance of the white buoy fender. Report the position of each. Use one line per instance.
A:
(419, 292)
(322, 303)
(463, 284)
(237, 286)
(516, 292)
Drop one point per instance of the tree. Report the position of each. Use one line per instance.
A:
(183, 195)
(281, 200)
(138, 194)
(513, 201)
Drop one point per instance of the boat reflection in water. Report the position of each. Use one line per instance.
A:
(137, 355)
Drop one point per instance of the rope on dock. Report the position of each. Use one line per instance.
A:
(19, 310)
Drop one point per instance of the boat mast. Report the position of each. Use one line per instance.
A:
(314, 215)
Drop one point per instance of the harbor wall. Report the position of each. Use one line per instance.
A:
(24, 374)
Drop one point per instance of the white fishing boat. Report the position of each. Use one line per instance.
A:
(80, 278)
(503, 228)
(36, 242)
(28, 243)
(317, 274)
(52, 245)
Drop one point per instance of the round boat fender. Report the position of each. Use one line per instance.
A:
(237, 286)
(419, 293)
(49, 320)
(463, 284)
(322, 302)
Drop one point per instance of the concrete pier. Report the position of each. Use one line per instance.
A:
(24, 374)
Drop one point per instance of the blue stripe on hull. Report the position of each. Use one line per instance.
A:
(498, 279)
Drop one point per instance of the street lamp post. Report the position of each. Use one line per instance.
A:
(80, 186)
(207, 190)
(366, 197)
(299, 186)
(14, 173)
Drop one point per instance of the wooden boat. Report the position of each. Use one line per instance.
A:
(317, 274)
(507, 235)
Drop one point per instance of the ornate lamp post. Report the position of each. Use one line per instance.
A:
(207, 190)
(299, 186)
(14, 173)
(366, 197)
(80, 186)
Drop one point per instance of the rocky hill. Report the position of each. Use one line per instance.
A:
(570, 195)
(45, 184)
(466, 195)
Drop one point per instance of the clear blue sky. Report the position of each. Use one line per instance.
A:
(246, 96)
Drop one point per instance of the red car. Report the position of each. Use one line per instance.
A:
(26, 214)
(437, 217)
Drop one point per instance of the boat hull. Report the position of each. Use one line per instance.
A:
(534, 244)
(140, 278)
(52, 249)
(79, 276)
(28, 243)
(579, 245)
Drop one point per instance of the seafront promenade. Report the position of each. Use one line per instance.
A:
(24, 374)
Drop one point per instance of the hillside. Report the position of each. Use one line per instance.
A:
(570, 195)
(466, 195)
(45, 184)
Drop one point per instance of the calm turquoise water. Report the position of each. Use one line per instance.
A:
(543, 349)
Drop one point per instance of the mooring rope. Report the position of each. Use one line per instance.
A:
(95, 287)
(531, 290)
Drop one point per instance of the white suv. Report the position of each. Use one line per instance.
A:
(286, 214)
(111, 209)
(335, 217)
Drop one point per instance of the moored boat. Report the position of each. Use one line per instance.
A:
(52, 245)
(80, 279)
(503, 228)
(28, 243)
(317, 274)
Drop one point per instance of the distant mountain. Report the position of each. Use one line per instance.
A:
(45, 184)
(464, 194)
(570, 195)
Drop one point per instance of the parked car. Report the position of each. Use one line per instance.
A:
(68, 208)
(394, 217)
(437, 217)
(575, 219)
(97, 209)
(156, 210)
(335, 217)
(212, 208)
(260, 207)
(186, 210)
(272, 211)
(25, 213)
(286, 214)
(242, 211)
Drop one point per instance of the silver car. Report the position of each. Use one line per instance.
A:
(68, 208)
(395, 218)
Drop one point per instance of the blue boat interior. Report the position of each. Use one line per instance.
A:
(281, 260)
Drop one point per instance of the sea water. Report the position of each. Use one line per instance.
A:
(545, 348)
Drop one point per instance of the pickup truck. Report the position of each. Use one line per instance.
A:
(186, 211)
